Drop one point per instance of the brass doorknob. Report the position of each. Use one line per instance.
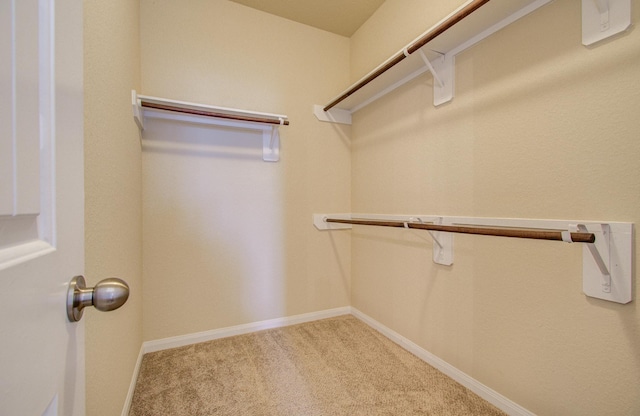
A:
(106, 295)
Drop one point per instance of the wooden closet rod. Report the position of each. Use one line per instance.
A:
(426, 38)
(576, 237)
(208, 113)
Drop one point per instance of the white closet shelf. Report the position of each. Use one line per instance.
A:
(434, 51)
(607, 259)
(145, 107)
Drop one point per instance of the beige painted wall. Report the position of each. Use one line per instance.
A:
(228, 238)
(113, 223)
(392, 27)
(540, 127)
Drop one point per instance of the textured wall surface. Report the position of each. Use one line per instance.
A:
(540, 127)
(228, 238)
(113, 207)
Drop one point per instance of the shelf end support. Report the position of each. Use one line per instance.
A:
(137, 110)
(607, 263)
(604, 18)
(271, 144)
(443, 72)
(334, 115)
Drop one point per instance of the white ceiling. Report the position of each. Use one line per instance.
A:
(342, 17)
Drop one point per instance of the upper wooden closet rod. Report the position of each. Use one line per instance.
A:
(434, 33)
(210, 113)
(576, 237)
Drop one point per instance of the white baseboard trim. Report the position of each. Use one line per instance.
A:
(183, 340)
(472, 384)
(134, 378)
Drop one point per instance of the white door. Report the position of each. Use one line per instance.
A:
(41, 206)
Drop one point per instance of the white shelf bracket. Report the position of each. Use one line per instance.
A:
(443, 243)
(137, 110)
(271, 144)
(334, 115)
(442, 70)
(604, 18)
(598, 257)
(430, 67)
(607, 263)
(603, 9)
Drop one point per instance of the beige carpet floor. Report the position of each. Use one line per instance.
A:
(337, 366)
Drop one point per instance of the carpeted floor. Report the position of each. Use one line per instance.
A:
(337, 366)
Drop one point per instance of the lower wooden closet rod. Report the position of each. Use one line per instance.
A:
(576, 237)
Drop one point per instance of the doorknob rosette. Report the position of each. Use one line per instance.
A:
(106, 295)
